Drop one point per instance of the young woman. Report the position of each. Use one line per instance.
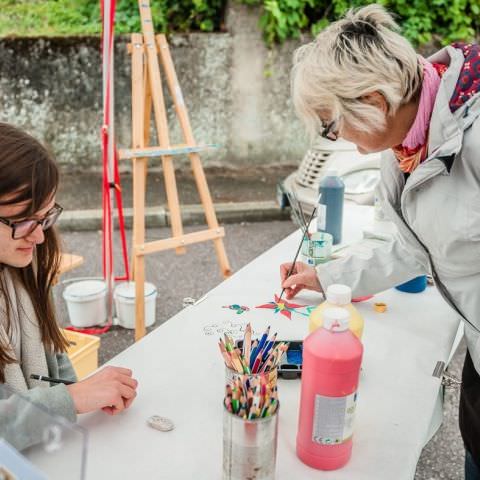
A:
(362, 81)
(30, 339)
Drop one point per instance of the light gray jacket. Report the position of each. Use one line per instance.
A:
(436, 211)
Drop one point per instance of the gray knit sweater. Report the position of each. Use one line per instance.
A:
(17, 418)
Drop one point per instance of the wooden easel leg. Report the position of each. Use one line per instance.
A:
(140, 330)
(161, 121)
(172, 200)
(147, 109)
(210, 214)
(139, 174)
(199, 174)
(139, 181)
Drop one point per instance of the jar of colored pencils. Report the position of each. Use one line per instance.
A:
(256, 359)
(250, 431)
(269, 377)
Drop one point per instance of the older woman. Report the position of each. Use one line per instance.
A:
(362, 81)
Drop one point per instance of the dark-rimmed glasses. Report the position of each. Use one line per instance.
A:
(328, 132)
(24, 228)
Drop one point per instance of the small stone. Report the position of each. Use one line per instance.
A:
(160, 423)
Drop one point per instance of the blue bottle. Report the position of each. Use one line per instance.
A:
(330, 209)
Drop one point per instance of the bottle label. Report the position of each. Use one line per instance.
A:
(333, 419)
(321, 217)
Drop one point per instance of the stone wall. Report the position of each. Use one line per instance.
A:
(236, 90)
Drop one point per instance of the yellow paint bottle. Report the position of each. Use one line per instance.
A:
(338, 296)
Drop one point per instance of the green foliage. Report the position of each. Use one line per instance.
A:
(447, 20)
(450, 19)
(284, 19)
(80, 17)
(421, 20)
(49, 17)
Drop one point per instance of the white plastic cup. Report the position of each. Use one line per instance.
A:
(317, 249)
(124, 295)
(86, 303)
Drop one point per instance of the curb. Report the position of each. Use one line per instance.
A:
(155, 217)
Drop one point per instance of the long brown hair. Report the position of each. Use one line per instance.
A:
(28, 173)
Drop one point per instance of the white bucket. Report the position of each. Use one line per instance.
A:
(124, 295)
(86, 303)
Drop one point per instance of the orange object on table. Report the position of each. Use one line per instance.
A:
(380, 307)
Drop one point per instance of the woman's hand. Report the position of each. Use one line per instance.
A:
(303, 276)
(112, 389)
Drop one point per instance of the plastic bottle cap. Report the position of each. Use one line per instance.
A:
(331, 173)
(339, 294)
(336, 319)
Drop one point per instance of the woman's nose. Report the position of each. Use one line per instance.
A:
(37, 236)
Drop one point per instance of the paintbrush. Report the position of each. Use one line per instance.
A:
(300, 210)
(295, 211)
(301, 242)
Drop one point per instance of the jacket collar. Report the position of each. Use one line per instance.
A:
(445, 136)
(446, 128)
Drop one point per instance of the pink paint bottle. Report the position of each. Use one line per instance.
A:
(332, 356)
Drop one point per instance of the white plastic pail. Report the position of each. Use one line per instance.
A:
(86, 303)
(124, 295)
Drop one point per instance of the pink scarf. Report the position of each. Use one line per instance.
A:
(417, 135)
(413, 149)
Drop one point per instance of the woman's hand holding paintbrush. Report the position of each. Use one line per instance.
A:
(296, 276)
(302, 276)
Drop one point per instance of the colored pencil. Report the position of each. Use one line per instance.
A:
(247, 344)
(268, 347)
(259, 348)
(225, 354)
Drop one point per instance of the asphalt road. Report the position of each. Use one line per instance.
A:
(195, 273)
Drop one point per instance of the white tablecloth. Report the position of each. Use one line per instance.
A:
(181, 376)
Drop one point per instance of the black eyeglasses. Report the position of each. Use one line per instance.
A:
(328, 132)
(24, 228)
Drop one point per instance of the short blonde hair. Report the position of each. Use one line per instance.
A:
(360, 54)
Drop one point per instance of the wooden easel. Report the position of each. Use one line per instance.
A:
(147, 91)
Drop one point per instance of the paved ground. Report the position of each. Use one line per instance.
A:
(177, 277)
(196, 273)
(248, 184)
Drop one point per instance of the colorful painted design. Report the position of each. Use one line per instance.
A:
(283, 307)
(239, 309)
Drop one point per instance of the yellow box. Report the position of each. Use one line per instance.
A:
(83, 353)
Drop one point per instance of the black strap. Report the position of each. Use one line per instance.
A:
(469, 411)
